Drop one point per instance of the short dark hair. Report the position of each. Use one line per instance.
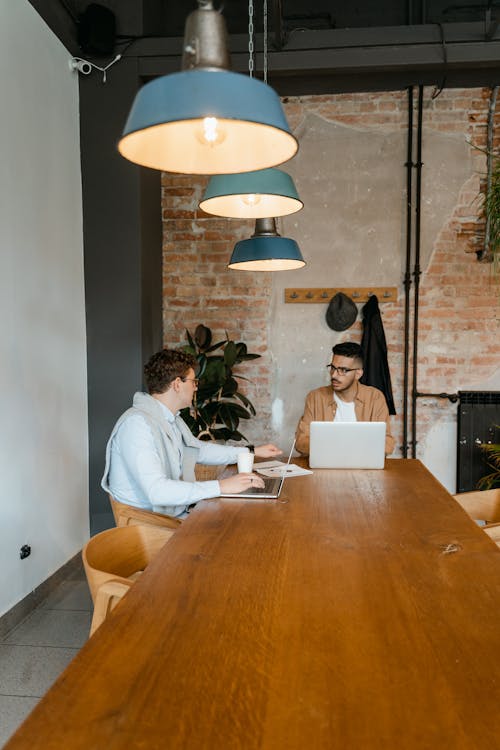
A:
(349, 349)
(164, 367)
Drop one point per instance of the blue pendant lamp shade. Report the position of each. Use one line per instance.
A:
(206, 119)
(251, 195)
(266, 251)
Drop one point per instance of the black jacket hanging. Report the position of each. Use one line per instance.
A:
(376, 368)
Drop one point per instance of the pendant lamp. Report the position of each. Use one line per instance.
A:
(251, 195)
(266, 250)
(206, 119)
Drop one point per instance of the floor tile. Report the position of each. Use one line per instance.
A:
(77, 573)
(13, 711)
(52, 627)
(31, 670)
(69, 595)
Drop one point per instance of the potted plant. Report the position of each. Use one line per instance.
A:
(492, 480)
(218, 405)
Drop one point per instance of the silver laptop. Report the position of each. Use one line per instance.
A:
(271, 489)
(347, 445)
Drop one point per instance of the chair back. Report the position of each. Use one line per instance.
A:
(117, 554)
(483, 504)
(206, 473)
(128, 515)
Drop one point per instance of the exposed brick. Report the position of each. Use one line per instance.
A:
(459, 315)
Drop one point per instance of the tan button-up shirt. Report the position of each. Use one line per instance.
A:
(369, 405)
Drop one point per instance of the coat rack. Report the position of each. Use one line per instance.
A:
(357, 294)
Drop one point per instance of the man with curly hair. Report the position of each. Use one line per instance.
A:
(151, 454)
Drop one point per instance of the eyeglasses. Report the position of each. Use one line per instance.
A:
(340, 370)
(195, 381)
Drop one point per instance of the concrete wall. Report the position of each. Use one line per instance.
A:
(43, 429)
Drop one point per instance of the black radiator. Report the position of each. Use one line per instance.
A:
(478, 422)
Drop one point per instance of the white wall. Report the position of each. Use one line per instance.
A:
(43, 401)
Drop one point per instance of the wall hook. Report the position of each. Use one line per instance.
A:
(314, 295)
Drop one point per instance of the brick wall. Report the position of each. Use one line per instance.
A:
(459, 306)
(199, 288)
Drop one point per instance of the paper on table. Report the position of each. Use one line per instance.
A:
(283, 470)
(267, 465)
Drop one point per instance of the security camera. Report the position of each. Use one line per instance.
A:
(82, 66)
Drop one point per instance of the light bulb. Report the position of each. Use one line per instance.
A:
(211, 132)
(251, 199)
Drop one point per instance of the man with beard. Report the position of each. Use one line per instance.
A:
(345, 400)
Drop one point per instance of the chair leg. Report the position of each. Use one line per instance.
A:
(108, 596)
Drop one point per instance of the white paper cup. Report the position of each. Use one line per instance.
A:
(245, 463)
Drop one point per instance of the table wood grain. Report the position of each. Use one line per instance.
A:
(361, 612)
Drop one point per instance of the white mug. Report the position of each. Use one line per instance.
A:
(245, 463)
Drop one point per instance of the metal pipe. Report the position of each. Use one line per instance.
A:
(417, 271)
(407, 276)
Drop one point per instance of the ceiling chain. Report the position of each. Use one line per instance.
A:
(265, 40)
(250, 39)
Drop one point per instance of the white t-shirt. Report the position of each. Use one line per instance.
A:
(345, 410)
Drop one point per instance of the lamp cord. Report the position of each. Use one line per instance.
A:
(250, 38)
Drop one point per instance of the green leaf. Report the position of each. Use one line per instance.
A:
(188, 419)
(246, 401)
(230, 387)
(230, 354)
(190, 339)
(215, 346)
(215, 373)
(228, 416)
(203, 336)
(223, 433)
(238, 411)
(202, 365)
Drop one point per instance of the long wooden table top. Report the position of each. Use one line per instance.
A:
(362, 612)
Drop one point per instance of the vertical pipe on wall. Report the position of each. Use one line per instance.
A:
(485, 253)
(407, 276)
(416, 270)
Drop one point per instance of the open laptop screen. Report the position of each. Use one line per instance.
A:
(347, 445)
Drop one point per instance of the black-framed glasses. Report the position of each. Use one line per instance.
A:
(193, 380)
(341, 370)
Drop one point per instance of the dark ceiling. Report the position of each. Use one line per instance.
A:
(166, 18)
(316, 46)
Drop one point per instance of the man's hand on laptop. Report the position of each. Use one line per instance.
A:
(267, 451)
(240, 483)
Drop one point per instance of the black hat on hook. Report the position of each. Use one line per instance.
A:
(341, 312)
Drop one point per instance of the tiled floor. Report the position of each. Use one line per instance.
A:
(35, 652)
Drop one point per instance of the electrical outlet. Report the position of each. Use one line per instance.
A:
(25, 551)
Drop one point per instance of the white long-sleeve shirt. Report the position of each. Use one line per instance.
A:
(137, 476)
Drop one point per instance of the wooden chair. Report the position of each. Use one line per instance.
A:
(205, 473)
(128, 515)
(483, 505)
(114, 559)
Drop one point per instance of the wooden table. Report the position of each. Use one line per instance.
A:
(364, 612)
